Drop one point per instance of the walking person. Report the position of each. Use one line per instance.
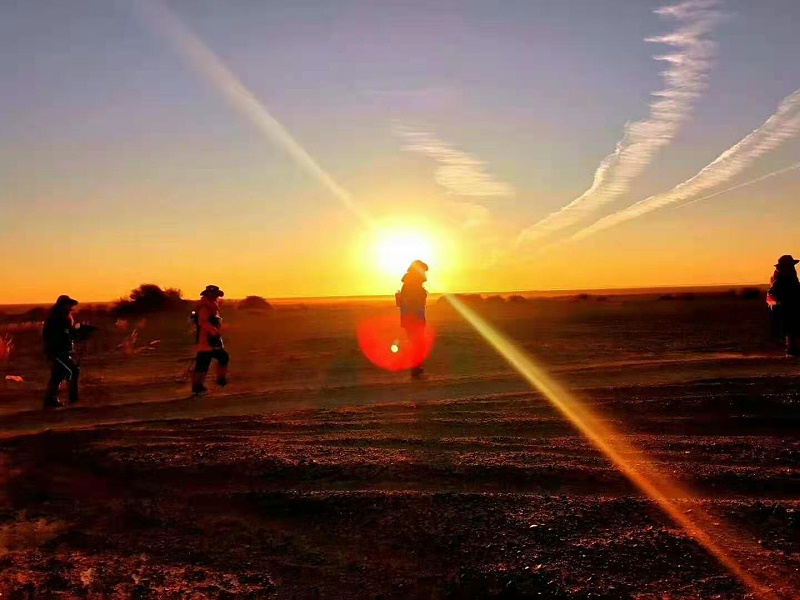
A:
(411, 299)
(209, 340)
(783, 299)
(59, 334)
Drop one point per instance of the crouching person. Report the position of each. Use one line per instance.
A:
(59, 335)
(209, 340)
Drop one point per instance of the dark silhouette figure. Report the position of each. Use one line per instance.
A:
(209, 340)
(411, 300)
(783, 298)
(58, 335)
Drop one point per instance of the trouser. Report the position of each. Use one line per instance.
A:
(789, 326)
(793, 344)
(64, 367)
(202, 363)
(415, 332)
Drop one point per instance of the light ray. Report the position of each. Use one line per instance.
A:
(203, 61)
(623, 455)
(630, 461)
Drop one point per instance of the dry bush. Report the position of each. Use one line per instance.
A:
(131, 345)
(254, 303)
(6, 347)
(148, 299)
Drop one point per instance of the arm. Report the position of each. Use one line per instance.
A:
(204, 322)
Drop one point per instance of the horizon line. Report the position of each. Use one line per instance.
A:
(559, 291)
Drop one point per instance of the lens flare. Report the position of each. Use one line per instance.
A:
(387, 346)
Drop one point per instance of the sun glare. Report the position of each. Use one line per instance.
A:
(398, 248)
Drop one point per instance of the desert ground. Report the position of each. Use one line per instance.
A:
(315, 474)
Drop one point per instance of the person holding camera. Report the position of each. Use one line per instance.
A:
(59, 334)
(208, 323)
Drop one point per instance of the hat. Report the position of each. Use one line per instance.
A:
(418, 265)
(213, 291)
(64, 300)
(786, 260)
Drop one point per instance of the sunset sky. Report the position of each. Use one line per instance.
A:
(461, 128)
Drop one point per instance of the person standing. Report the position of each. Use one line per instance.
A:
(209, 340)
(58, 335)
(783, 299)
(411, 299)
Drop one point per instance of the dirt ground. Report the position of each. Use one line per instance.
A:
(317, 475)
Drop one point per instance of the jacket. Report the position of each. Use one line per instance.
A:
(209, 326)
(784, 289)
(58, 335)
(411, 299)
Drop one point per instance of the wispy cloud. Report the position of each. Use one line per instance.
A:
(685, 80)
(459, 172)
(471, 214)
(779, 128)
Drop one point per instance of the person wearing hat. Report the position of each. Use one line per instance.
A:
(209, 340)
(58, 335)
(783, 299)
(411, 300)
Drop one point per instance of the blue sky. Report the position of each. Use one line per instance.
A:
(118, 163)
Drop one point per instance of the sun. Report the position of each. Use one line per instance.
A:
(396, 249)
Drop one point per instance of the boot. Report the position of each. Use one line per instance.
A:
(222, 376)
(51, 396)
(198, 384)
(52, 402)
(73, 388)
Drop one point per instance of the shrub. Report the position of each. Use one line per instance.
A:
(495, 300)
(254, 303)
(147, 299)
(517, 299)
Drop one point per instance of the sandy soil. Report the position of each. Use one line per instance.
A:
(316, 475)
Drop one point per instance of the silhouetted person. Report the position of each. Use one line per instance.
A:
(59, 335)
(411, 300)
(783, 298)
(209, 340)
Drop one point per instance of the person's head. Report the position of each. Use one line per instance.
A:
(64, 304)
(786, 263)
(416, 273)
(213, 293)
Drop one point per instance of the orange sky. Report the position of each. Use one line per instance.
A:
(289, 168)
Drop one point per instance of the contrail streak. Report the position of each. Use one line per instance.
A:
(782, 126)
(685, 79)
(741, 185)
(624, 456)
(203, 61)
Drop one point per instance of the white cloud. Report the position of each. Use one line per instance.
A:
(782, 126)
(457, 171)
(685, 80)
